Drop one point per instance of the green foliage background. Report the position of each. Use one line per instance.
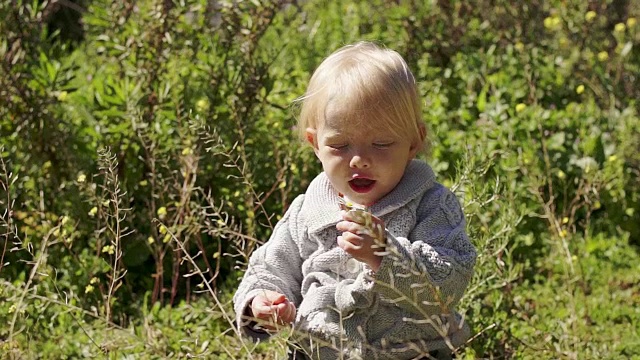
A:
(148, 147)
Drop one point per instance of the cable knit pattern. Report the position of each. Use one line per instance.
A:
(404, 309)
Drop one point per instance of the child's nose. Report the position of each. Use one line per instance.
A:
(359, 161)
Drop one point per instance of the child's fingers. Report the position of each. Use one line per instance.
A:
(276, 298)
(262, 305)
(262, 311)
(350, 242)
(273, 308)
(286, 313)
(349, 226)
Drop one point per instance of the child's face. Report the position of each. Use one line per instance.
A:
(363, 164)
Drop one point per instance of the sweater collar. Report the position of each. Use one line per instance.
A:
(321, 199)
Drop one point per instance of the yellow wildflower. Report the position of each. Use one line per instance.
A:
(88, 289)
(162, 212)
(109, 249)
(202, 105)
(81, 178)
(590, 15)
(93, 211)
(548, 22)
(620, 27)
(580, 89)
(519, 46)
(631, 22)
(603, 56)
(520, 107)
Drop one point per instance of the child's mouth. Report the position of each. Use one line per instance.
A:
(361, 185)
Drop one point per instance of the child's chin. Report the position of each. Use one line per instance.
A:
(362, 199)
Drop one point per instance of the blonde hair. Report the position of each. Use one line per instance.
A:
(361, 83)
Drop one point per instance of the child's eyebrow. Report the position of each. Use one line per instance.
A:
(335, 137)
(331, 132)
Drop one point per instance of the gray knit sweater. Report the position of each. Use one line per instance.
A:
(345, 309)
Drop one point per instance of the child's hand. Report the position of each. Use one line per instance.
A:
(362, 236)
(273, 308)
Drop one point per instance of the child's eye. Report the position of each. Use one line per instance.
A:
(338, 146)
(382, 145)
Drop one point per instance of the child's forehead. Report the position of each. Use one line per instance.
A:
(354, 127)
(345, 120)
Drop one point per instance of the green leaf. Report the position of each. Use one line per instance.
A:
(556, 141)
(482, 99)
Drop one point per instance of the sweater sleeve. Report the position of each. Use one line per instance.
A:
(275, 266)
(426, 273)
(430, 271)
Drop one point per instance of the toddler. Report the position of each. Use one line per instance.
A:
(370, 262)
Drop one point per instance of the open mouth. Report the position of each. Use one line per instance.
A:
(361, 185)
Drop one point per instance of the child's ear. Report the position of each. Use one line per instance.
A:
(415, 148)
(312, 137)
(423, 133)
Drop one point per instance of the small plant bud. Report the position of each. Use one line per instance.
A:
(590, 16)
(162, 213)
(603, 56)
